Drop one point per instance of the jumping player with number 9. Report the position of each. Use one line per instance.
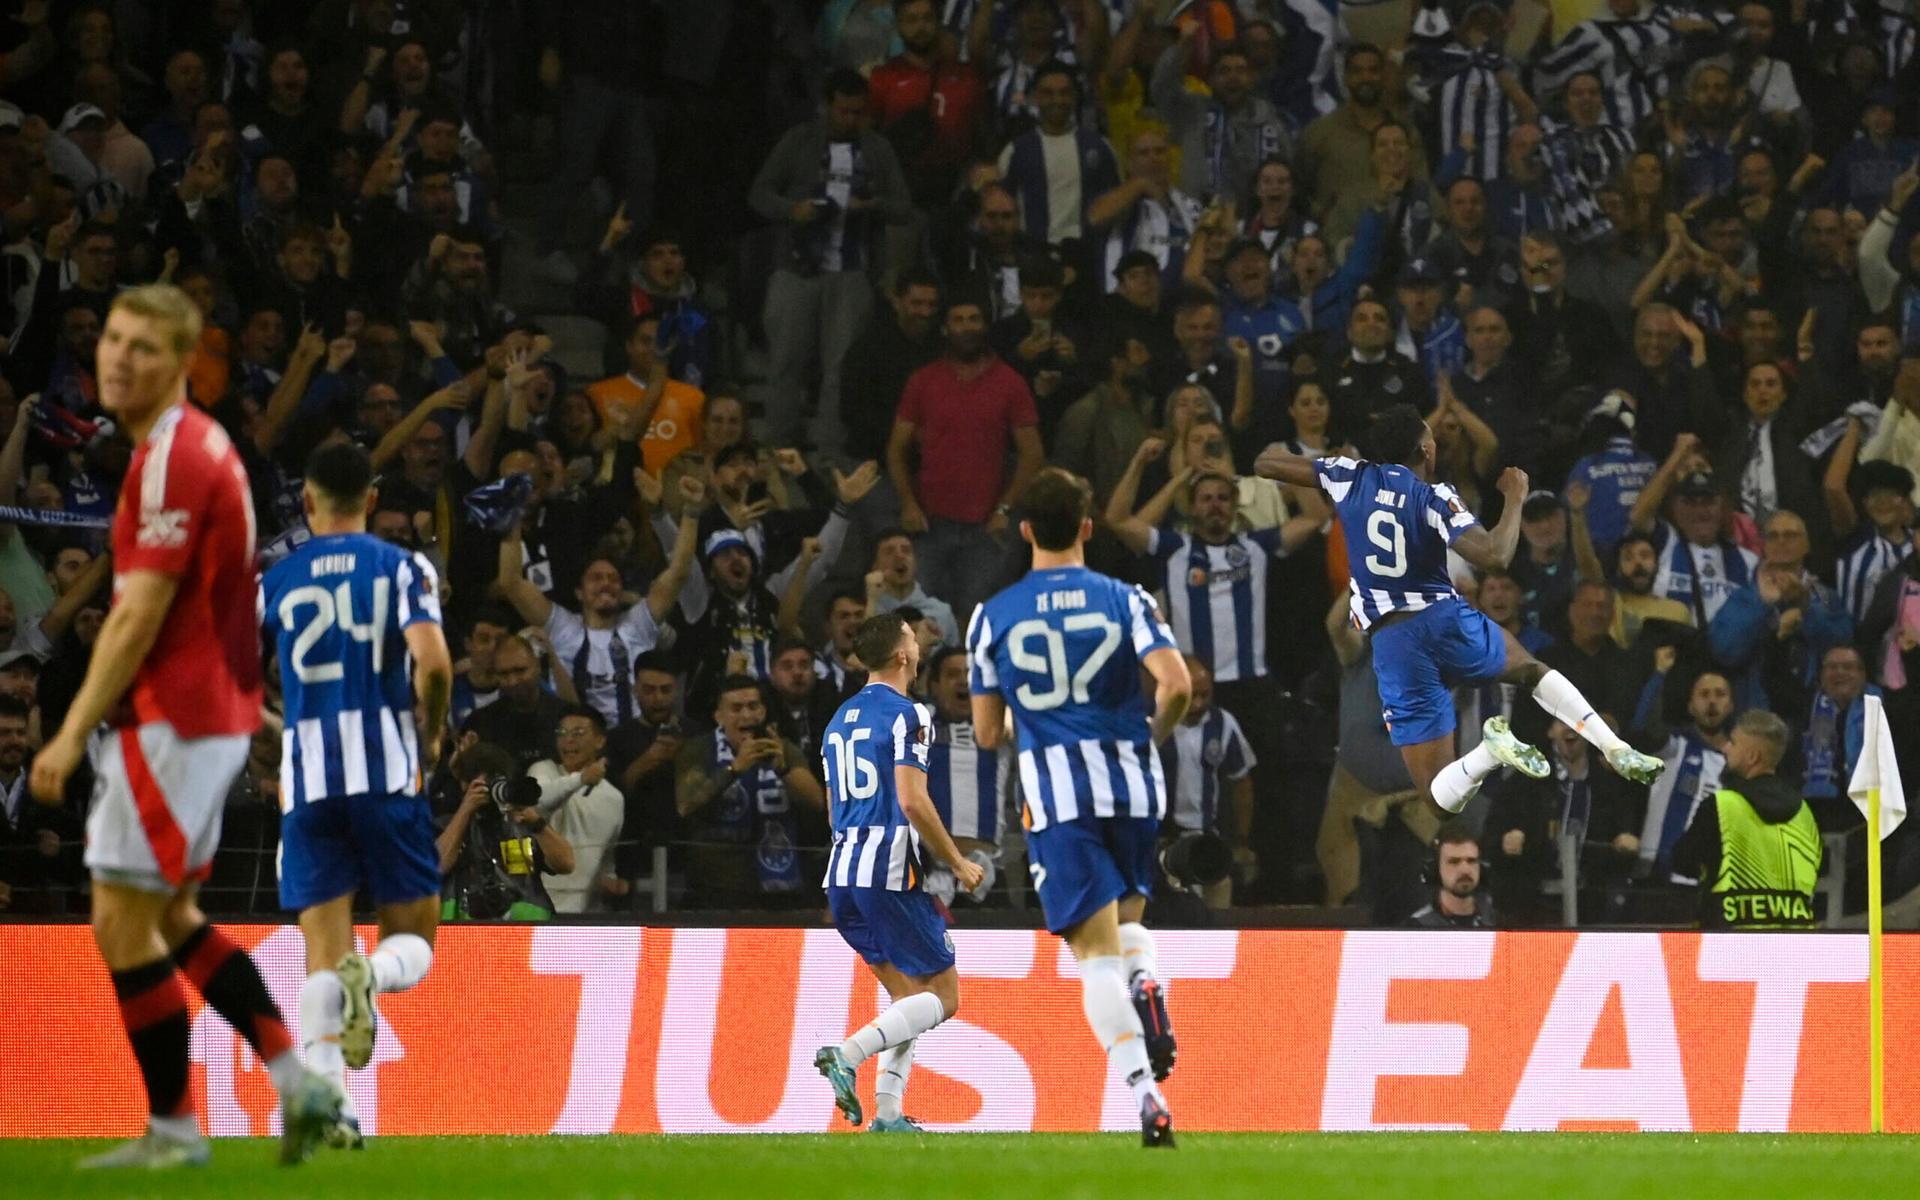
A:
(1063, 649)
(1426, 638)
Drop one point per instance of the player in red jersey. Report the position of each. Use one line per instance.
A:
(175, 677)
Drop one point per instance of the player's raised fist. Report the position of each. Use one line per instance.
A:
(1513, 484)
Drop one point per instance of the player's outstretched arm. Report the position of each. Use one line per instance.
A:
(527, 600)
(125, 637)
(1172, 690)
(910, 784)
(1493, 550)
(1278, 462)
(432, 685)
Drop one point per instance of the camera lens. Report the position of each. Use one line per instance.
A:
(514, 793)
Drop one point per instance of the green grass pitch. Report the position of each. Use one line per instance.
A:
(1023, 1166)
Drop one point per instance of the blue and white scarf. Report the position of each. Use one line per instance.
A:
(756, 810)
(1831, 745)
(1574, 184)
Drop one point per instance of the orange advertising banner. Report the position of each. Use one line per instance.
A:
(531, 1029)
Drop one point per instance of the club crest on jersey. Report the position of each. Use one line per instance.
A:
(162, 528)
(1236, 555)
(1393, 385)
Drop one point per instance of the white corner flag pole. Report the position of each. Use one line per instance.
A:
(1875, 789)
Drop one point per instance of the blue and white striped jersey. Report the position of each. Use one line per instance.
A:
(1217, 597)
(1199, 757)
(1063, 647)
(874, 846)
(1462, 84)
(968, 784)
(1867, 557)
(1398, 529)
(337, 609)
(1633, 57)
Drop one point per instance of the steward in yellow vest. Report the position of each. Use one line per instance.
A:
(1754, 845)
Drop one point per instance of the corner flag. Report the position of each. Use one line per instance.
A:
(1875, 788)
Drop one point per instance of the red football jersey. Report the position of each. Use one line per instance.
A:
(186, 511)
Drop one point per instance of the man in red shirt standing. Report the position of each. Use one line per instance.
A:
(175, 675)
(965, 411)
(928, 105)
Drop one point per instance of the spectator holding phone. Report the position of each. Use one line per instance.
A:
(737, 788)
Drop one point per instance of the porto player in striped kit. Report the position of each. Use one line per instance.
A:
(875, 754)
(350, 614)
(1062, 650)
(1426, 638)
(175, 676)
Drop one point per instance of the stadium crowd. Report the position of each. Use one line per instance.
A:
(858, 269)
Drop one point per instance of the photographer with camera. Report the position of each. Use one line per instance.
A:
(585, 808)
(736, 788)
(497, 844)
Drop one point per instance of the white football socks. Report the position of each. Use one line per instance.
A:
(1459, 781)
(1558, 696)
(400, 961)
(1109, 1009)
(891, 1086)
(903, 1021)
(1139, 954)
(322, 999)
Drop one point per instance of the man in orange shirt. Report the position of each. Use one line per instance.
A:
(669, 410)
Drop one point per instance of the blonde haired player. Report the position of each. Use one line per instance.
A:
(175, 679)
